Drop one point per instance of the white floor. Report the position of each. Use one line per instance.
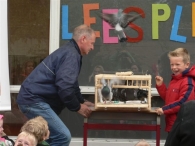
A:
(107, 142)
(111, 142)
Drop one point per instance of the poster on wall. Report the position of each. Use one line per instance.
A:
(5, 103)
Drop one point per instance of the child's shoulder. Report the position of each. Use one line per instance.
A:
(2, 141)
(8, 141)
(43, 143)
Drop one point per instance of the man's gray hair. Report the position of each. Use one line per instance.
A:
(81, 31)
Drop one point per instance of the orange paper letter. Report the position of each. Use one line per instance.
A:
(87, 19)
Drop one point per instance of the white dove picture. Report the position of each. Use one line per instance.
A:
(119, 21)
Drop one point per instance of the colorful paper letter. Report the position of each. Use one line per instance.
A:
(65, 34)
(156, 18)
(135, 27)
(174, 36)
(87, 19)
(107, 27)
(193, 19)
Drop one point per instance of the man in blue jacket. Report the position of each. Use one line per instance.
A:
(53, 85)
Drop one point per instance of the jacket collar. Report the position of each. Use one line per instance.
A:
(76, 45)
(179, 76)
(77, 48)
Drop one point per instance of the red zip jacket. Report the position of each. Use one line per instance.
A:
(180, 89)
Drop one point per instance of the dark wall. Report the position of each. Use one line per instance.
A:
(149, 54)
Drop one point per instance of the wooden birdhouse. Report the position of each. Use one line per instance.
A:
(122, 91)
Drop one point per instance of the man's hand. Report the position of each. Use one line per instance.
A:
(84, 110)
(159, 80)
(89, 104)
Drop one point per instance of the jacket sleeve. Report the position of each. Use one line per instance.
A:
(66, 80)
(186, 93)
(78, 93)
(162, 90)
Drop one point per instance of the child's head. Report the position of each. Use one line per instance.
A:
(29, 66)
(1, 125)
(142, 143)
(26, 139)
(37, 126)
(179, 60)
(98, 70)
(135, 68)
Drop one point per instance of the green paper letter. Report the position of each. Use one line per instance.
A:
(156, 17)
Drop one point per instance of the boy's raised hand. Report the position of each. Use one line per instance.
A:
(159, 80)
(159, 111)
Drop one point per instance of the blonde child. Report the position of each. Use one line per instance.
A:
(181, 87)
(26, 139)
(38, 126)
(142, 143)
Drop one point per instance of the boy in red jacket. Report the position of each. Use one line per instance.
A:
(181, 86)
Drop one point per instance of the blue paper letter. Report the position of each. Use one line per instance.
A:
(65, 34)
(175, 26)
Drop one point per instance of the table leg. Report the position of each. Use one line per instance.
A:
(158, 131)
(85, 134)
(158, 136)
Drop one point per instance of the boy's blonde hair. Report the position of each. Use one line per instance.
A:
(142, 143)
(37, 126)
(180, 52)
(30, 136)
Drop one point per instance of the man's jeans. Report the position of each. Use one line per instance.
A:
(59, 133)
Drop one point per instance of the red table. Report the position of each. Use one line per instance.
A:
(118, 115)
